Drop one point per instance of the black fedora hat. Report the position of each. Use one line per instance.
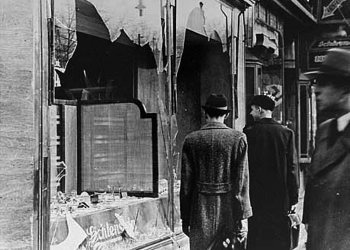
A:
(336, 63)
(217, 102)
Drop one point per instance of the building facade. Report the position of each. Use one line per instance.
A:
(57, 58)
(124, 86)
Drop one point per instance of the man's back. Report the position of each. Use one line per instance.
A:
(274, 177)
(272, 165)
(214, 182)
(214, 146)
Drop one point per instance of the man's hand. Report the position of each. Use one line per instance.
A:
(294, 207)
(242, 230)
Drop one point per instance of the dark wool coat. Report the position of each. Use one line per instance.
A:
(274, 183)
(214, 182)
(327, 194)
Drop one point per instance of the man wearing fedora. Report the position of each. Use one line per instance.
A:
(274, 177)
(327, 194)
(214, 193)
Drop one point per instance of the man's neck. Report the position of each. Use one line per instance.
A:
(216, 119)
(266, 115)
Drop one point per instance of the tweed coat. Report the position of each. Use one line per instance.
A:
(327, 194)
(214, 188)
(274, 183)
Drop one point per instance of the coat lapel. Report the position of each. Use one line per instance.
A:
(324, 157)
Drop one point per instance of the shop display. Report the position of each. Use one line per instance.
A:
(110, 220)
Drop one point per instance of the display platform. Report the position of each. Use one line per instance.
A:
(127, 223)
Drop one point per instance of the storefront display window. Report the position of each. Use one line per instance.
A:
(102, 49)
(119, 113)
(109, 181)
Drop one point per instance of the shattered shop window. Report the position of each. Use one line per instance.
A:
(102, 46)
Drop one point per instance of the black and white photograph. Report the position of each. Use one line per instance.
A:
(175, 124)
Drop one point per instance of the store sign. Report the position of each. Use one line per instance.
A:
(97, 231)
(318, 50)
(316, 58)
(107, 233)
(335, 9)
(334, 43)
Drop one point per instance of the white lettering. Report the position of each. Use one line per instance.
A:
(100, 233)
(104, 232)
(325, 44)
(319, 59)
(112, 230)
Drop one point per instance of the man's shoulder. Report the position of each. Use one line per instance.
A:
(248, 128)
(236, 133)
(267, 126)
(284, 129)
(227, 131)
(193, 135)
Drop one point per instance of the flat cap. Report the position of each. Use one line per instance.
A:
(263, 101)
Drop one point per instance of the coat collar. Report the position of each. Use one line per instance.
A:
(325, 127)
(267, 121)
(343, 121)
(326, 158)
(214, 125)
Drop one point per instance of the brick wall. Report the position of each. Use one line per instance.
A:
(16, 124)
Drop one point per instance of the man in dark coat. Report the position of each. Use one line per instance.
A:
(274, 177)
(214, 191)
(327, 194)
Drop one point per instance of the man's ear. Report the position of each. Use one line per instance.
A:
(227, 115)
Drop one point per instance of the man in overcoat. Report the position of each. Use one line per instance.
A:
(214, 191)
(274, 177)
(327, 194)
